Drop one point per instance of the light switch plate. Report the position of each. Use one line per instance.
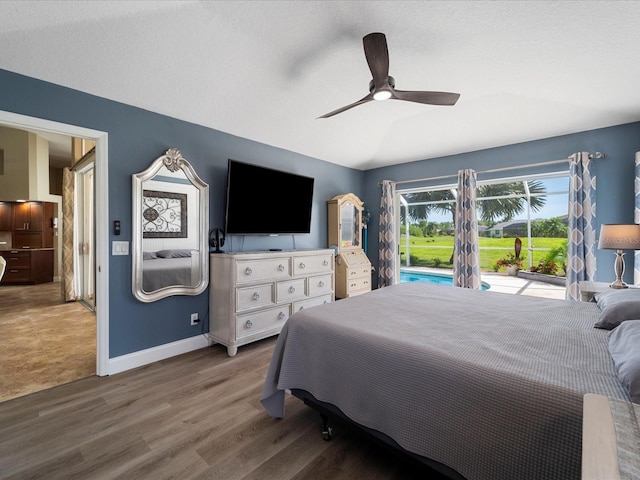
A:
(119, 248)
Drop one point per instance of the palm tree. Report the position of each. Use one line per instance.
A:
(496, 210)
(491, 211)
(421, 212)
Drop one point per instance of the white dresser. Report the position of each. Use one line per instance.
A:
(252, 294)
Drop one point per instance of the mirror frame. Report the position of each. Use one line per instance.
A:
(174, 161)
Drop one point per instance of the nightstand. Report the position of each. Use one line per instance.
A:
(589, 289)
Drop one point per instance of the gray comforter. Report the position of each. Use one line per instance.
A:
(166, 272)
(489, 384)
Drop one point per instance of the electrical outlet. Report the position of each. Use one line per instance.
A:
(194, 319)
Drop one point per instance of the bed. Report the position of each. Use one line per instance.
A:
(167, 268)
(487, 385)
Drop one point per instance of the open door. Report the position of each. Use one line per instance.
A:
(86, 231)
(78, 232)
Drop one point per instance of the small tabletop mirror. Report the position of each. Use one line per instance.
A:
(170, 230)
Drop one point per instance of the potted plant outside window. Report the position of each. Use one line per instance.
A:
(513, 261)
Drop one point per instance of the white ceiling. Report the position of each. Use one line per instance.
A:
(265, 70)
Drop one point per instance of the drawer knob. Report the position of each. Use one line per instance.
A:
(352, 273)
(292, 289)
(353, 284)
(325, 263)
(281, 316)
(248, 271)
(321, 283)
(281, 268)
(14, 271)
(302, 265)
(249, 324)
(256, 296)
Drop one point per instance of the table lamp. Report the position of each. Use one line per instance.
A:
(618, 238)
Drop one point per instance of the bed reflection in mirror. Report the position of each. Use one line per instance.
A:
(170, 230)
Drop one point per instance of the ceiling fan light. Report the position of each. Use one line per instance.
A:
(382, 95)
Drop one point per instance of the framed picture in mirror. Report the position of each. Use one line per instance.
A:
(164, 214)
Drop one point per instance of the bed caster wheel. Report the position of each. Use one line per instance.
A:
(327, 431)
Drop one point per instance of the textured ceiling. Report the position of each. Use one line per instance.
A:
(266, 70)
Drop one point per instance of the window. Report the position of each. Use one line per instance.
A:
(533, 209)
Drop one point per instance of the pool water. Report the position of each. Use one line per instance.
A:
(435, 278)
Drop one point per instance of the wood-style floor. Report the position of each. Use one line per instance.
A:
(196, 415)
(43, 340)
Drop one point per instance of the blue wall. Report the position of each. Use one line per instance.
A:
(136, 138)
(615, 176)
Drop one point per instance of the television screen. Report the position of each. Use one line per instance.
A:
(264, 201)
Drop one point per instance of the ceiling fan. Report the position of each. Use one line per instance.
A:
(382, 86)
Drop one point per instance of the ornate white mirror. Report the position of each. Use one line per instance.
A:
(170, 230)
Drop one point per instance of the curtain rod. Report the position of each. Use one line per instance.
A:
(503, 169)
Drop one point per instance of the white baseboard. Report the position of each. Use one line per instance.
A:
(150, 355)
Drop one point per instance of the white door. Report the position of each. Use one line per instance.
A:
(85, 220)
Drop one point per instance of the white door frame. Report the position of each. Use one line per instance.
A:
(14, 120)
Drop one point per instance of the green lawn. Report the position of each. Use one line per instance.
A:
(436, 251)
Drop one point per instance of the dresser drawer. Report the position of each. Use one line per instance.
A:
(319, 285)
(357, 272)
(16, 275)
(255, 296)
(252, 323)
(358, 284)
(355, 293)
(290, 290)
(312, 302)
(308, 264)
(17, 258)
(258, 270)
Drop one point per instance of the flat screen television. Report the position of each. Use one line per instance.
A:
(264, 201)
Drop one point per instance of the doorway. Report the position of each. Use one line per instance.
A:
(93, 178)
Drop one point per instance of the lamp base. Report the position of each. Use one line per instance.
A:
(618, 267)
(618, 284)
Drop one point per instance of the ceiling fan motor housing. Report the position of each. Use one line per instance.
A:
(390, 79)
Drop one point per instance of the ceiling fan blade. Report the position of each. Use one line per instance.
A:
(430, 98)
(366, 99)
(377, 54)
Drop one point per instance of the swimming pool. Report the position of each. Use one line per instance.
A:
(430, 277)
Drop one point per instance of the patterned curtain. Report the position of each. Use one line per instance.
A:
(466, 261)
(581, 259)
(387, 236)
(636, 219)
(68, 257)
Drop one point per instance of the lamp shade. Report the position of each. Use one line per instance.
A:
(619, 237)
